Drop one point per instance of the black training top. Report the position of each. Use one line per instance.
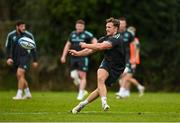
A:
(14, 50)
(116, 55)
(127, 38)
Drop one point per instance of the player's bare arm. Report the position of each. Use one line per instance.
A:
(97, 46)
(65, 52)
(83, 52)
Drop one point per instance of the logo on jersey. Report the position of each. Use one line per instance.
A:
(126, 35)
(14, 38)
(73, 36)
(83, 36)
(84, 68)
(117, 36)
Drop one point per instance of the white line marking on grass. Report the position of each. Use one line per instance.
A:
(84, 112)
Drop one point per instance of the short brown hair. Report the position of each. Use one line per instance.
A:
(114, 21)
(122, 18)
(19, 22)
(80, 21)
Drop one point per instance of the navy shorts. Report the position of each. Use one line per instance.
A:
(114, 72)
(22, 62)
(79, 63)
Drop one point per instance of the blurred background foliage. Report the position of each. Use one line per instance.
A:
(51, 21)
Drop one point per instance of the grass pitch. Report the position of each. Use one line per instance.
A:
(56, 106)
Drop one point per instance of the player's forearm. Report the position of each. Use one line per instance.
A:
(65, 52)
(85, 52)
(96, 46)
(66, 49)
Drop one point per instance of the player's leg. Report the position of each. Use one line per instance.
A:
(74, 75)
(134, 81)
(102, 76)
(122, 81)
(127, 89)
(94, 95)
(100, 91)
(127, 84)
(123, 91)
(82, 72)
(82, 85)
(20, 77)
(140, 87)
(120, 84)
(27, 91)
(24, 64)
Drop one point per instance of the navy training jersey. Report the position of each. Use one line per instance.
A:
(116, 55)
(127, 38)
(75, 38)
(14, 50)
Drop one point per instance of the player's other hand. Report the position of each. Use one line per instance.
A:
(10, 61)
(34, 65)
(82, 44)
(133, 66)
(74, 52)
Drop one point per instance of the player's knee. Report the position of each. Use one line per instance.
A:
(74, 74)
(82, 75)
(19, 75)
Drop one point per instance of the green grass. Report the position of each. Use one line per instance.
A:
(56, 106)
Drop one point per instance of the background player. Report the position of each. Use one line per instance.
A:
(127, 77)
(19, 58)
(78, 64)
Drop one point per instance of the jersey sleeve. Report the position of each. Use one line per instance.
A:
(89, 36)
(70, 37)
(102, 39)
(115, 40)
(8, 46)
(33, 51)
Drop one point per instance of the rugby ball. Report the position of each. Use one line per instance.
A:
(27, 43)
